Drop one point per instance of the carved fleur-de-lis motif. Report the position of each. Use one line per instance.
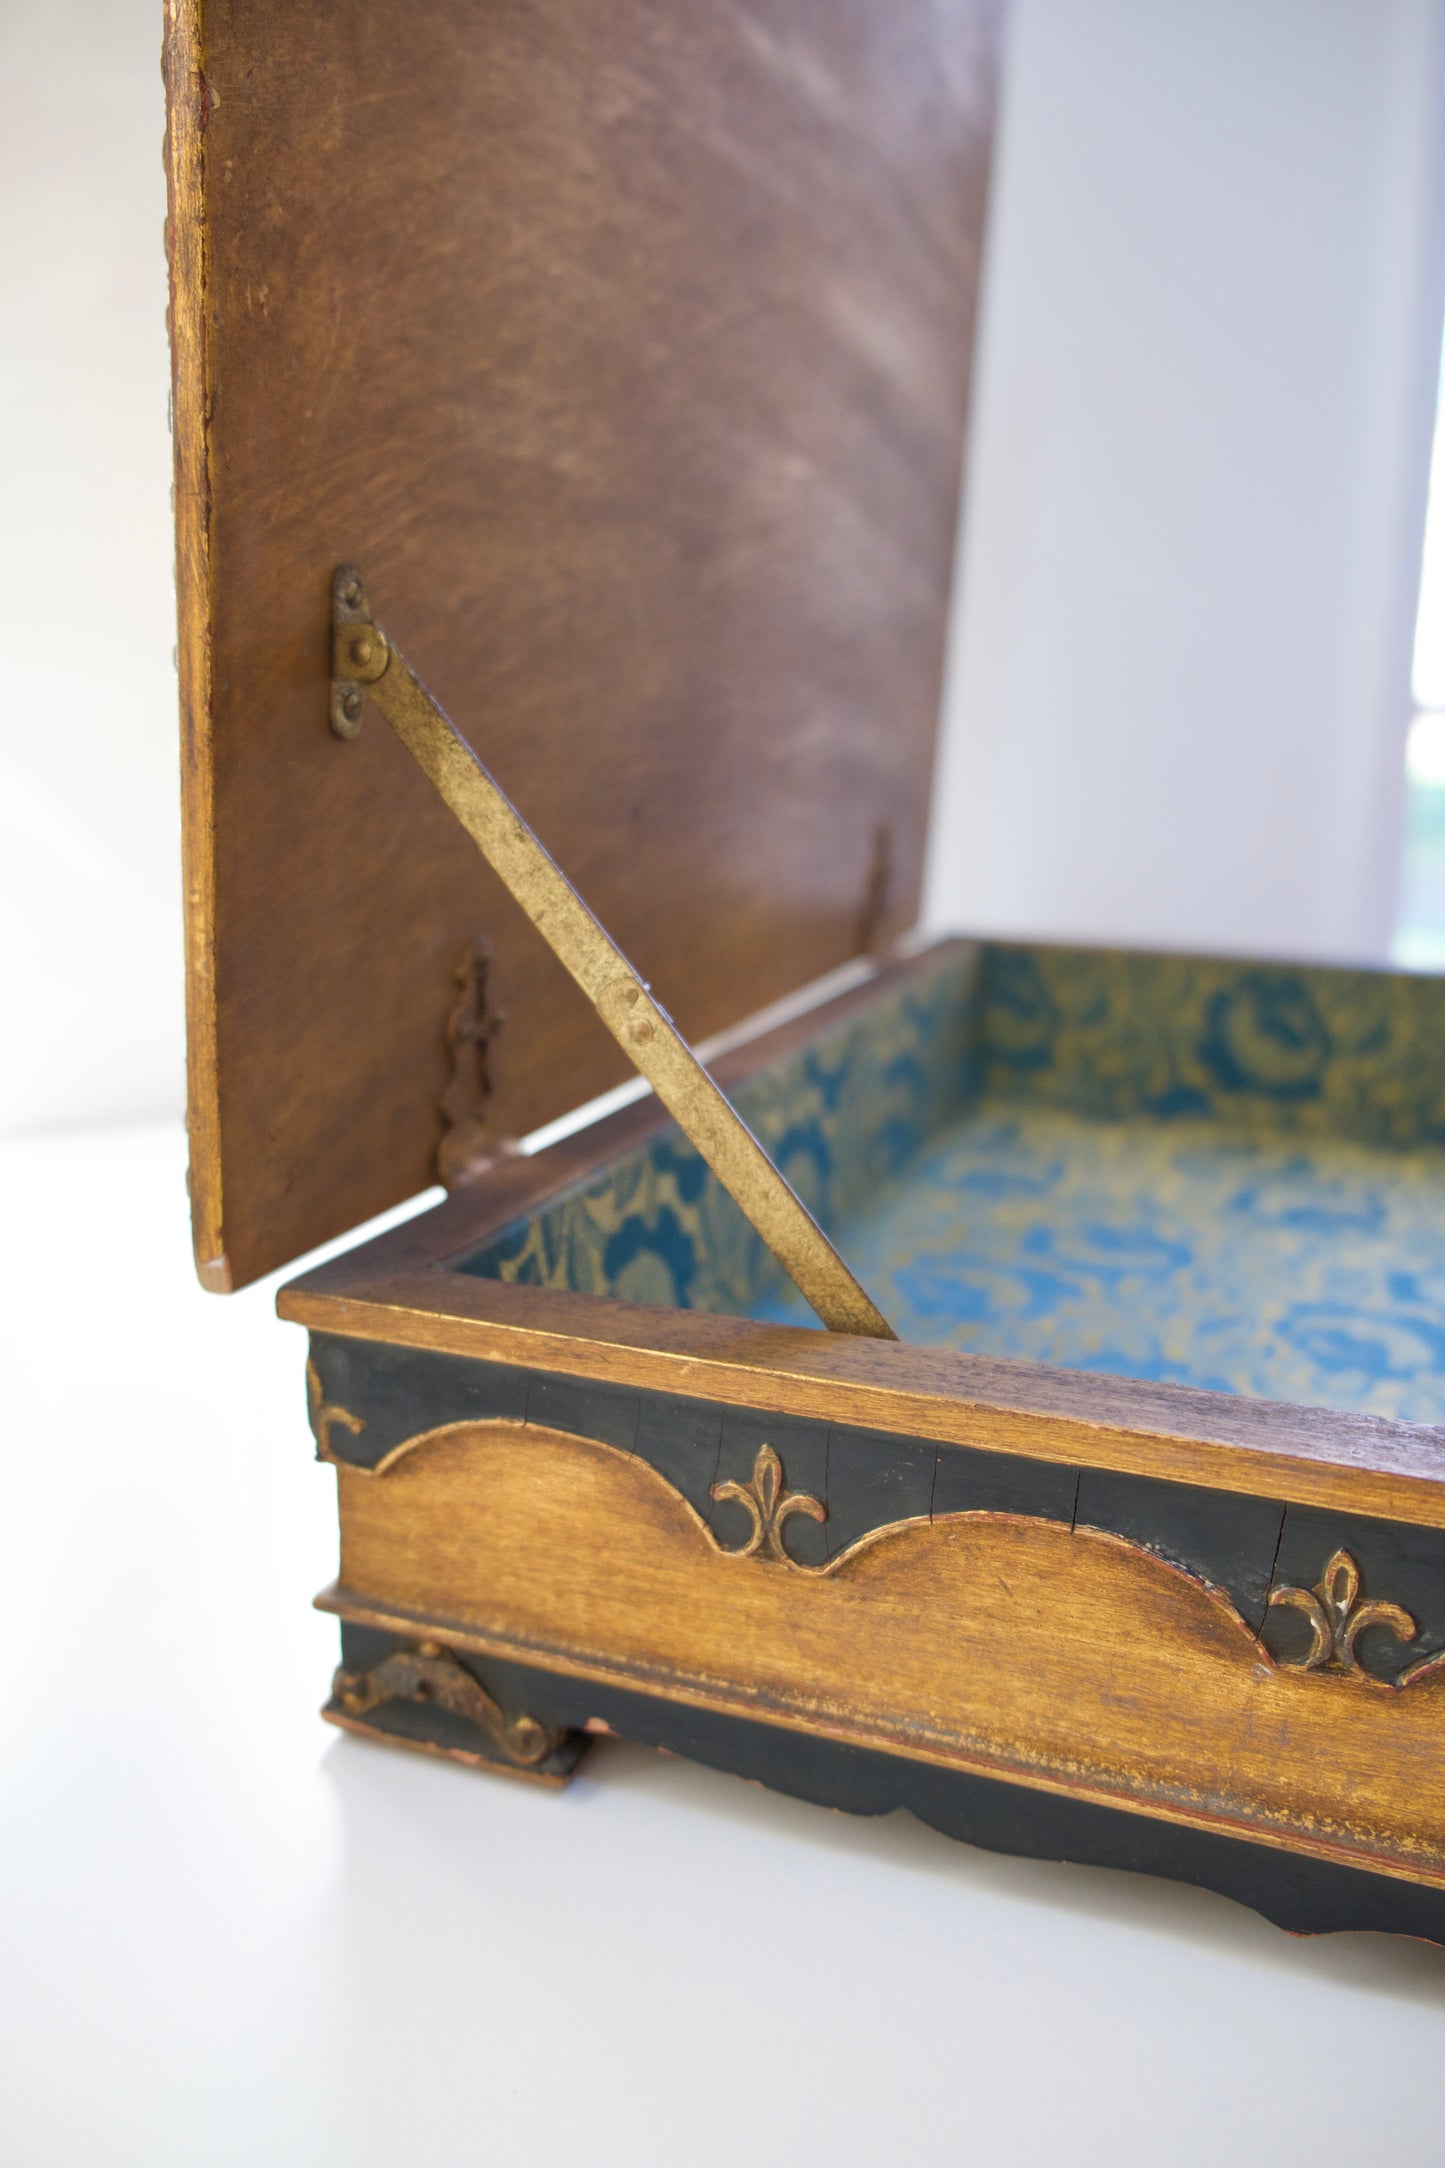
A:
(325, 1414)
(1337, 1618)
(769, 1504)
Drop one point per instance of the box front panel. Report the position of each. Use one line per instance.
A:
(1175, 1654)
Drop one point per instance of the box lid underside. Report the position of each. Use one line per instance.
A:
(626, 349)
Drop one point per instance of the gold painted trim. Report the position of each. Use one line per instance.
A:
(325, 1414)
(188, 100)
(1337, 1614)
(770, 1504)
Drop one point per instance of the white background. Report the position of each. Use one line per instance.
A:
(231, 1938)
(1176, 712)
(90, 945)
(1196, 492)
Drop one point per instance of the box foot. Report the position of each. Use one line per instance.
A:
(424, 1696)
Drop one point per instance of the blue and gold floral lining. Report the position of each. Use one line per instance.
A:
(1215, 1173)
(843, 1119)
(1155, 1250)
(1303, 1052)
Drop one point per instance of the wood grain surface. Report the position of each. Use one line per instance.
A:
(1222, 1441)
(625, 348)
(1060, 1659)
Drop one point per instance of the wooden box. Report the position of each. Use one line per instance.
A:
(626, 349)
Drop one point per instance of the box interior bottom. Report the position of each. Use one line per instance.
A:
(1178, 1251)
(1212, 1173)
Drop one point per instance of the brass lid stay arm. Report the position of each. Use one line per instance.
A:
(365, 662)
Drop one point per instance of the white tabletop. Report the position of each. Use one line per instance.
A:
(232, 1935)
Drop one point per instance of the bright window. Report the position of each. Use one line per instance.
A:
(1420, 935)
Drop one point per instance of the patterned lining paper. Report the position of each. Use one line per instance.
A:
(843, 1119)
(1215, 1173)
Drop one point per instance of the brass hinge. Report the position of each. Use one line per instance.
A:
(365, 662)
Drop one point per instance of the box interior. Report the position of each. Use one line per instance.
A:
(1215, 1173)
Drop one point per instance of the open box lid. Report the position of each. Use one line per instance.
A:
(625, 348)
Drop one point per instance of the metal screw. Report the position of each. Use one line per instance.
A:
(351, 704)
(351, 594)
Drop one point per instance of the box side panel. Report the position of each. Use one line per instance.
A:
(1268, 1049)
